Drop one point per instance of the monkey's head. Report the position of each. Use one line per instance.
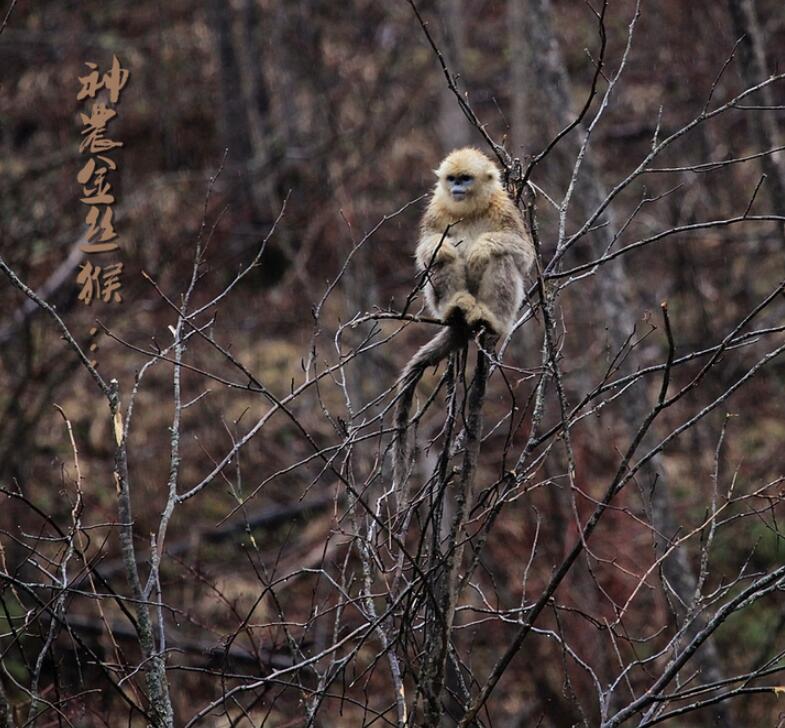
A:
(467, 181)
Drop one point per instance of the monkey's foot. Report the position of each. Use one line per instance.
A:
(480, 316)
(459, 307)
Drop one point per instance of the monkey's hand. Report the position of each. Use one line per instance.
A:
(445, 252)
(436, 252)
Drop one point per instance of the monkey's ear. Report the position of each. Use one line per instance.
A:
(435, 171)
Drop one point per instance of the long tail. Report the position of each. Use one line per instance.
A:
(438, 348)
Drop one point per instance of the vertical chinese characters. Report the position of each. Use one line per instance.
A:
(103, 281)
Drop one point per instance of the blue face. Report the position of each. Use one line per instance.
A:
(459, 185)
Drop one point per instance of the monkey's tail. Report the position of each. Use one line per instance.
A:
(449, 339)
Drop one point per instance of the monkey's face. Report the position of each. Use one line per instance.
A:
(467, 181)
(459, 185)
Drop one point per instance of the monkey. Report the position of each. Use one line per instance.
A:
(473, 245)
(475, 252)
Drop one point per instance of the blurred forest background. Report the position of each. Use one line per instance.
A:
(337, 113)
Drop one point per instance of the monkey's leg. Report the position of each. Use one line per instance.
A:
(447, 292)
(499, 295)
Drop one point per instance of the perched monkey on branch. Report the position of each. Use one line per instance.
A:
(474, 251)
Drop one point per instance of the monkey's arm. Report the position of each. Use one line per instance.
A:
(434, 249)
(507, 236)
(516, 245)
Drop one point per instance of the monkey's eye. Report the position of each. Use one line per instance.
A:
(465, 178)
(451, 178)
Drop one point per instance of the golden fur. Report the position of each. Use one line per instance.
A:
(476, 249)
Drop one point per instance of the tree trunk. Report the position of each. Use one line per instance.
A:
(753, 70)
(234, 120)
(616, 306)
(454, 129)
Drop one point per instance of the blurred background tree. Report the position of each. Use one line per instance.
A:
(342, 111)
